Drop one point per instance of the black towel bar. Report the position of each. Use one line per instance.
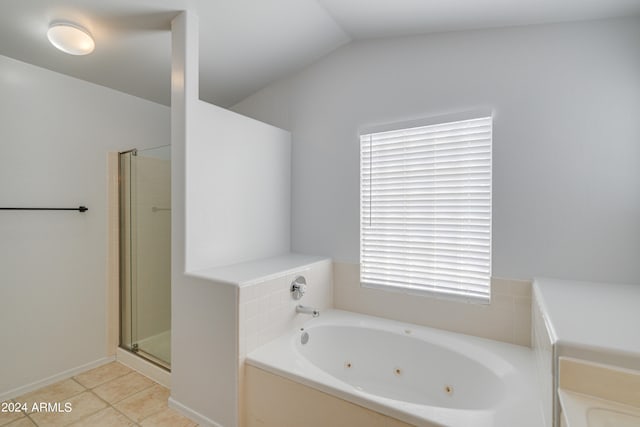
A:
(79, 209)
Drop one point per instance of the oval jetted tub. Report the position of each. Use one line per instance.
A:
(419, 375)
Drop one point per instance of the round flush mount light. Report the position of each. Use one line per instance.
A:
(71, 38)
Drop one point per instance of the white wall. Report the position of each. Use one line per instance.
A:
(203, 314)
(55, 132)
(238, 180)
(230, 203)
(566, 131)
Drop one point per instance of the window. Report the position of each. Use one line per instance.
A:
(425, 209)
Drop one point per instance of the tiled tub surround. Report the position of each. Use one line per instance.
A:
(418, 375)
(507, 318)
(111, 395)
(265, 308)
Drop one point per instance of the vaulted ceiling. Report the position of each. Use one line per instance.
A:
(247, 44)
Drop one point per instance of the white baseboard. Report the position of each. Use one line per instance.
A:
(148, 369)
(54, 378)
(191, 414)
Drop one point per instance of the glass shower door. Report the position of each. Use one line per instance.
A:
(145, 253)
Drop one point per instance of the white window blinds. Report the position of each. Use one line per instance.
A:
(425, 209)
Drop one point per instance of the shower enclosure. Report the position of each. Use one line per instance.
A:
(145, 253)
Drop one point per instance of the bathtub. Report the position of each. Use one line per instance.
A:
(418, 375)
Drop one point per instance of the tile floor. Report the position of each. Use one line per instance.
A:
(111, 395)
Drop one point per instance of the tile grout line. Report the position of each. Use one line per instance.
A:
(84, 389)
(112, 405)
(138, 392)
(91, 391)
(102, 383)
(24, 413)
(101, 409)
(21, 411)
(125, 415)
(31, 419)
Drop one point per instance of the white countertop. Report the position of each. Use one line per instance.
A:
(592, 320)
(247, 273)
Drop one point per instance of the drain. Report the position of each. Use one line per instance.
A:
(304, 338)
(448, 390)
(397, 371)
(347, 365)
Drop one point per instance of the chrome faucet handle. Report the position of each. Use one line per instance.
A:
(298, 287)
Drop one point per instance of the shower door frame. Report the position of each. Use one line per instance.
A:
(127, 198)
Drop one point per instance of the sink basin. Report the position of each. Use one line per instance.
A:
(601, 417)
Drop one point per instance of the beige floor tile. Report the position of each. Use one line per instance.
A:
(7, 417)
(144, 403)
(122, 387)
(82, 405)
(107, 417)
(56, 392)
(22, 422)
(102, 374)
(167, 418)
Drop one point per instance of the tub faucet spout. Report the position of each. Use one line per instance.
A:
(307, 310)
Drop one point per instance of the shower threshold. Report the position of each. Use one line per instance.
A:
(156, 349)
(151, 358)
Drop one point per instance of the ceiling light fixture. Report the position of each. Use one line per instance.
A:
(71, 38)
